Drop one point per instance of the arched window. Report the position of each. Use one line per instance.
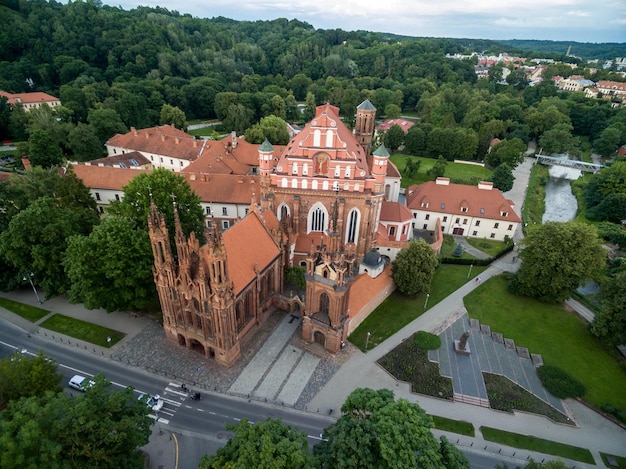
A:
(283, 211)
(352, 228)
(317, 218)
(324, 303)
(294, 168)
(284, 182)
(329, 138)
(304, 184)
(294, 183)
(305, 169)
(314, 185)
(325, 185)
(317, 137)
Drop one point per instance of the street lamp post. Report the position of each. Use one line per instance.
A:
(470, 271)
(426, 302)
(367, 340)
(30, 279)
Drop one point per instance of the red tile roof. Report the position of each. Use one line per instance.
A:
(29, 98)
(162, 140)
(98, 177)
(124, 158)
(224, 187)
(395, 211)
(249, 246)
(365, 288)
(227, 156)
(392, 170)
(450, 198)
(404, 124)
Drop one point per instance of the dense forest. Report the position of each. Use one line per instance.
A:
(115, 69)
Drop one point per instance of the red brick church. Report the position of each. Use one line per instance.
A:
(320, 201)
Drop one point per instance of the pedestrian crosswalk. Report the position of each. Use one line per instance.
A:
(173, 397)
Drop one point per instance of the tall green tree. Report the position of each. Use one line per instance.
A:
(36, 239)
(556, 259)
(27, 376)
(96, 429)
(106, 123)
(509, 152)
(375, 430)
(84, 143)
(414, 268)
(112, 267)
(610, 323)
(173, 115)
(503, 178)
(394, 137)
(272, 128)
(266, 445)
(43, 151)
(167, 190)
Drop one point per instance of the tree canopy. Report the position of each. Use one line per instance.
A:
(375, 430)
(96, 429)
(112, 267)
(557, 258)
(414, 268)
(266, 445)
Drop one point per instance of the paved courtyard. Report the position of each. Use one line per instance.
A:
(489, 353)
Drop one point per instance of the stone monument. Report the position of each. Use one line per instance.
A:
(461, 345)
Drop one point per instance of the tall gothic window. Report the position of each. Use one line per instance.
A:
(317, 218)
(352, 232)
(324, 303)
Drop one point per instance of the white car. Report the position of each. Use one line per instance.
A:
(80, 383)
(154, 402)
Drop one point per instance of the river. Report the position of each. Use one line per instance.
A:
(561, 205)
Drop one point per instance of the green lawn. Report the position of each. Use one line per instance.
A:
(488, 246)
(398, 310)
(82, 330)
(447, 249)
(30, 313)
(457, 172)
(532, 443)
(454, 426)
(621, 461)
(559, 336)
(534, 204)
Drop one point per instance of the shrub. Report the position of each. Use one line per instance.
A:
(610, 409)
(559, 383)
(458, 250)
(426, 340)
(295, 276)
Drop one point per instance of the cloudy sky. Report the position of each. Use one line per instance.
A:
(566, 20)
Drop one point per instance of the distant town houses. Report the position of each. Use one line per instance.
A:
(612, 90)
(30, 101)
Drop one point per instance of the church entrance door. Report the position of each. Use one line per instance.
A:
(319, 338)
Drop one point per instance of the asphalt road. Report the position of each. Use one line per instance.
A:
(200, 426)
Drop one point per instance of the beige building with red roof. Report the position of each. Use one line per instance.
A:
(30, 101)
(404, 124)
(474, 211)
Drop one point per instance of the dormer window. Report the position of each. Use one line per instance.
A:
(482, 211)
(504, 214)
(463, 209)
(443, 206)
(424, 204)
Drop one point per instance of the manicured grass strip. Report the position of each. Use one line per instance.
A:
(559, 336)
(534, 205)
(532, 443)
(447, 249)
(621, 461)
(488, 246)
(454, 426)
(30, 313)
(398, 310)
(459, 173)
(82, 330)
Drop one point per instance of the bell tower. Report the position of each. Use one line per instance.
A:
(365, 125)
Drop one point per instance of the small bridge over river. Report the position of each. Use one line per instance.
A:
(562, 161)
